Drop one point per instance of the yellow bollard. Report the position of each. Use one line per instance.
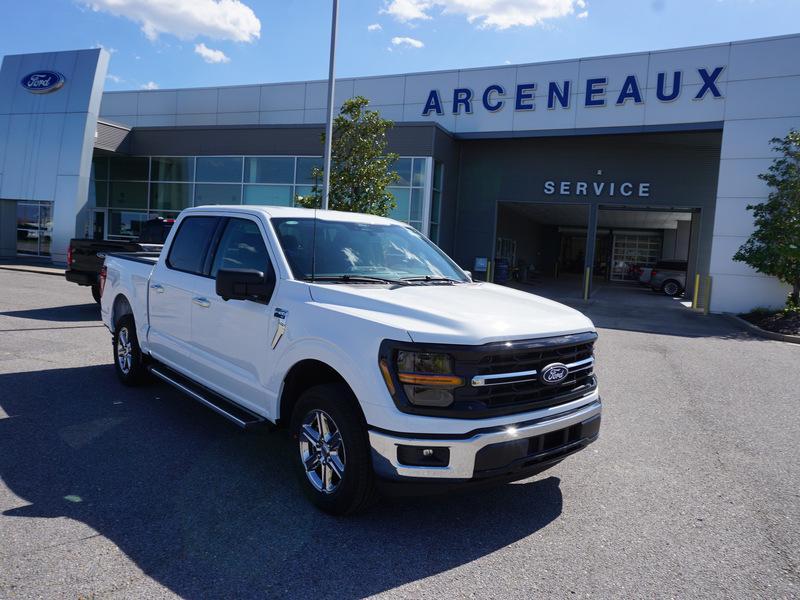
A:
(586, 282)
(696, 290)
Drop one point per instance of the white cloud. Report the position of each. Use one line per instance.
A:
(583, 14)
(408, 10)
(500, 14)
(374, 27)
(150, 85)
(210, 55)
(187, 19)
(408, 42)
(114, 78)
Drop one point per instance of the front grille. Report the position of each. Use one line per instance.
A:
(527, 360)
(501, 396)
(528, 355)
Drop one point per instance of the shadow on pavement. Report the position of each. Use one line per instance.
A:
(208, 510)
(74, 313)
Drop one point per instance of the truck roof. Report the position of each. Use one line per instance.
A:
(288, 212)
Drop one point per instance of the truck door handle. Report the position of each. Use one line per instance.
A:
(201, 302)
(157, 287)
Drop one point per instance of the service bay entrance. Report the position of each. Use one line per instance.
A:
(573, 248)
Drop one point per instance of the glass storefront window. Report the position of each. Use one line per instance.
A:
(123, 223)
(164, 214)
(209, 193)
(128, 194)
(172, 168)
(98, 193)
(418, 173)
(415, 212)
(168, 184)
(436, 201)
(34, 227)
(305, 168)
(402, 198)
(100, 168)
(223, 169)
(129, 168)
(303, 191)
(170, 196)
(45, 227)
(269, 169)
(403, 169)
(274, 195)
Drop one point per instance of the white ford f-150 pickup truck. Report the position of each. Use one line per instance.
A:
(388, 364)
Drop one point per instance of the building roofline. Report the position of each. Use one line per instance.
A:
(468, 69)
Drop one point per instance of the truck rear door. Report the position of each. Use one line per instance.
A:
(172, 287)
(231, 340)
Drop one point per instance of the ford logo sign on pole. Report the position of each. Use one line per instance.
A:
(554, 373)
(43, 82)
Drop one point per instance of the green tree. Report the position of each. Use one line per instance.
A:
(360, 166)
(774, 247)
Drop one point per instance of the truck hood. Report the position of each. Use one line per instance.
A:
(474, 313)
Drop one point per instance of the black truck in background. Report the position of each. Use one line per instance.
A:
(85, 256)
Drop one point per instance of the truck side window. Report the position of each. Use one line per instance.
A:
(189, 248)
(241, 247)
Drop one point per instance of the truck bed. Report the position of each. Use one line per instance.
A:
(148, 258)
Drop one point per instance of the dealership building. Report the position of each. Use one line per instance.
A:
(584, 169)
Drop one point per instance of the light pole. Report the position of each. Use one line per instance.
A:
(326, 176)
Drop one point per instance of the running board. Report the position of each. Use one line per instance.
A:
(235, 413)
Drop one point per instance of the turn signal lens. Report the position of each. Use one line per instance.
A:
(387, 377)
(431, 380)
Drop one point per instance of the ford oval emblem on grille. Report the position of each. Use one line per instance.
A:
(554, 373)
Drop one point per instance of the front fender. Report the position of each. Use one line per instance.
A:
(347, 344)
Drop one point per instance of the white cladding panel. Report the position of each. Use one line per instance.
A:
(239, 99)
(197, 101)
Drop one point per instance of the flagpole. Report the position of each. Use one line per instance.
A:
(326, 177)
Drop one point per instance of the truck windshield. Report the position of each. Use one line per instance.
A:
(362, 252)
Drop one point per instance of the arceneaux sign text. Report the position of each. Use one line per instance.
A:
(558, 93)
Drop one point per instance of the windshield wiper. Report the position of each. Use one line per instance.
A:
(427, 278)
(356, 279)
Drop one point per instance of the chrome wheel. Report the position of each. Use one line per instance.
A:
(322, 451)
(671, 288)
(124, 350)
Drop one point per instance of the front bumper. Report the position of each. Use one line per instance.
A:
(494, 452)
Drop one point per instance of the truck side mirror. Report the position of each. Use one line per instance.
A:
(245, 284)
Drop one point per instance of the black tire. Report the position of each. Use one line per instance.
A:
(672, 288)
(96, 293)
(354, 491)
(128, 359)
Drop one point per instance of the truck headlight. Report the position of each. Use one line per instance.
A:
(427, 377)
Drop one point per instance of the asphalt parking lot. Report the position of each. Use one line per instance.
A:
(693, 489)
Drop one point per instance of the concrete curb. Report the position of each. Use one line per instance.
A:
(781, 337)
(38, 271)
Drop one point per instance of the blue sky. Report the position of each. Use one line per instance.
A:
(187, 43)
